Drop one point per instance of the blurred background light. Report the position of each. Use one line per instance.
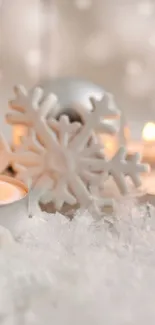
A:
(110, 42)
(33, 58)
(146, 8)
(134, 68)
(83, 4)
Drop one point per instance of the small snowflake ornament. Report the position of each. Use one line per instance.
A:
(65, 160)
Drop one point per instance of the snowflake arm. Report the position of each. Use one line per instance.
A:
(94, 122)
(132, 168)
(118, 167)
(7, 157)
(31, 143)
(60, 195)
(40, 188)
(98, 202)
(43, 105)
(25, 158)
(70, 190)
(32, 110)
(108, 110)
(29, 106)
(64, 128)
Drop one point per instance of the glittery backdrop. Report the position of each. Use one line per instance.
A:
(111, 42)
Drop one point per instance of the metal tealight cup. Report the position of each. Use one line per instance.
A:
(13, 214)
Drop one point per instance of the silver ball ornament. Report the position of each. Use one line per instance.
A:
(71, 91)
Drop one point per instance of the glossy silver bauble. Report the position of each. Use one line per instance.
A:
(71, 92)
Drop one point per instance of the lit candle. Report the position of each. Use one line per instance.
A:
(147, 150)
(14, 202)
(146, 147)
(10, 192)
(148, 136)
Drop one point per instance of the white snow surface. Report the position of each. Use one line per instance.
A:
(87, 272)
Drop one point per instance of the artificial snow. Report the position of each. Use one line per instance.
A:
(87, 272)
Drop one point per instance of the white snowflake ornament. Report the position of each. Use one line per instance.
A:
(64, 159)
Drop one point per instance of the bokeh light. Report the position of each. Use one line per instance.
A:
(83, 4)
(110, 42)
(146, 8)
(134, 68)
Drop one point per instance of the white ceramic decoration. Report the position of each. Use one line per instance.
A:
(63, 158)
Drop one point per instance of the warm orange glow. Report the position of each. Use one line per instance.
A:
(148, 133)
(126, 132)
(10, 193)
(110, 144)
(19, 131)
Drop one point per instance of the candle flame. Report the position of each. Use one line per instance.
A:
(148, 133)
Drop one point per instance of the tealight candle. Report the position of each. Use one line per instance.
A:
(146, 147)
(10, 192)
(13, 202)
